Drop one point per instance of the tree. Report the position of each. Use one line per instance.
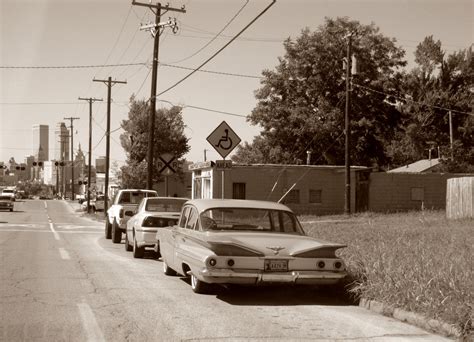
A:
(438, 84)
(168, 138)
(301, 103)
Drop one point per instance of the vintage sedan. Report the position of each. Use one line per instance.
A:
(245, 242)
(152, 213)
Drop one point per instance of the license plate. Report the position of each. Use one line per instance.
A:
(276, 265)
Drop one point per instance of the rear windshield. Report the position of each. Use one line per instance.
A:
(249, 219)
(164, 205)
(8, 191)
(135, 197)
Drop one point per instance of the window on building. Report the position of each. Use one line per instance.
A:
(292, 197)
(315, 196)
(238, 190)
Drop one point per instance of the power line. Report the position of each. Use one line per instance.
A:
(410, 100)
(218, 51)
(210, 71)
(71, 66)
(217, 34)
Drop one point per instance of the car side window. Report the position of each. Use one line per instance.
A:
(192, 219)
(182, 219)
(125, 198)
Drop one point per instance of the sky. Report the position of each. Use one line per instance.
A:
(76, 41)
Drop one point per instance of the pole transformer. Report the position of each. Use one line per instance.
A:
(155, 32)
(72, 154)
(109, 84)
(90, 100)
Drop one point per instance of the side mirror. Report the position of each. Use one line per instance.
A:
(129, 213)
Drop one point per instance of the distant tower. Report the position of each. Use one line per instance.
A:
(62, 142)
(41, 142)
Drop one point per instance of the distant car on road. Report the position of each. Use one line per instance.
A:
(152, 213)
(123, 207)
(96, 204)
(246, 242)
(9, 192)
(6, 202)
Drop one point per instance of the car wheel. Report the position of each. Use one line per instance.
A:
(116, 233)
(137, 251)
(168, 270)
(11, 209)
(108, 229)
(128, 246)
(199, 286)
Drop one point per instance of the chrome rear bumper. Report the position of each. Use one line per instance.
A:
(296, 277)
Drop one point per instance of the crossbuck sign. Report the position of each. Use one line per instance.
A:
(168, 164)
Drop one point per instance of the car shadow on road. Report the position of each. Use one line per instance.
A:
(282, 295)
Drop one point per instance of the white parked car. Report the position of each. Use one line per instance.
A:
(152, 214)
(123, 207)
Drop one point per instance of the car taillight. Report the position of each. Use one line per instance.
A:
(230, 262)
(321, 264)
(121, 213)
(337, 264)
(211, 262)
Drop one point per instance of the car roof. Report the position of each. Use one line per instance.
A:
(137, 190)
(165, 198)
(204, 204)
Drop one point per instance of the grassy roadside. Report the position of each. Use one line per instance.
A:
(417, 261)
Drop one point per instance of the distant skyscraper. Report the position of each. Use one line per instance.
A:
(62, 142)
(41, 142)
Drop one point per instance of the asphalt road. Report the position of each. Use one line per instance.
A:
(60, 280)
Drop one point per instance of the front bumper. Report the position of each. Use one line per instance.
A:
(228, 276)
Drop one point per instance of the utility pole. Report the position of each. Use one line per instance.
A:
(90, 100)
(109, 84)
(450, 135)
(72, 154)
(155, 32)
(62, 163)
(347, 128)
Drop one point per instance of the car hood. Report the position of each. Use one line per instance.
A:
(273, 244)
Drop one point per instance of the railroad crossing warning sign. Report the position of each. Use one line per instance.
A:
(168, 164)
(223, 139)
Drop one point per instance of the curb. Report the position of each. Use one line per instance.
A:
(412, 318)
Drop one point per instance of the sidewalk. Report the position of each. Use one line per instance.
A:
(76, 207)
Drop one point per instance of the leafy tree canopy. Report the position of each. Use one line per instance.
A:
(437, 83)
(169, 137)
(301, 103)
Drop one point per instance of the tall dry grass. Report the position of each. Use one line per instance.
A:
(418, 261)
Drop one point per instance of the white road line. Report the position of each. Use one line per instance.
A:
(90, 323)
(64, 254)
(56, 235)
(48, 231)
(45, 205)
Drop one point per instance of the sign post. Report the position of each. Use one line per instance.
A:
(224, 140)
